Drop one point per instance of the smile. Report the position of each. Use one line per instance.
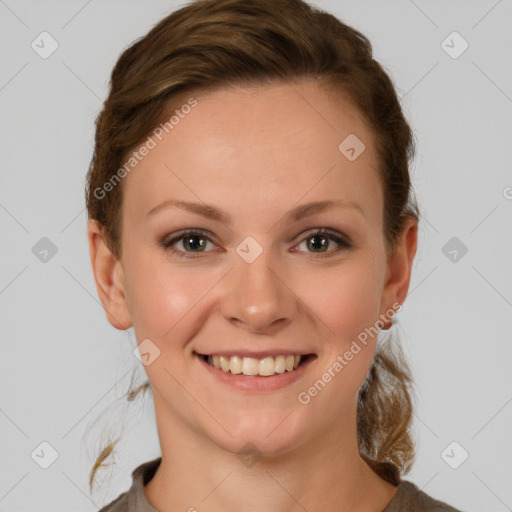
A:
(264, 367)
(231, 368)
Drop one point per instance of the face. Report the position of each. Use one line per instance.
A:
(222, 255)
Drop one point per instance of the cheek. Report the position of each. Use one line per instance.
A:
(169, 301)
(347, 299)
(159, 297)
(347, 302)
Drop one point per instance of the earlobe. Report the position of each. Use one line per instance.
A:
(399, 267)
(108, 276)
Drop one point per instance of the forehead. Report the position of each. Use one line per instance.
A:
(276, 141)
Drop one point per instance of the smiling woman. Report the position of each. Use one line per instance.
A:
(259, 248)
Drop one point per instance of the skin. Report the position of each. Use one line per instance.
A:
(256, 152)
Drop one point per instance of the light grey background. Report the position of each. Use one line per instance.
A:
(63, 365)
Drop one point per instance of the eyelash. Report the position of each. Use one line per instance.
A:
(332, 235)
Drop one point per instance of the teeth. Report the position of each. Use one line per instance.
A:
(235, 365)
(249, 366)
(224, 363)
(267, 366)
(279, 364)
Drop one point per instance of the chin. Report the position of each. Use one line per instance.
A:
(260, 439)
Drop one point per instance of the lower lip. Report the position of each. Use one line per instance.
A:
(257, 383)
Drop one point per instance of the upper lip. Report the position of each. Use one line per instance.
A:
(260, 354)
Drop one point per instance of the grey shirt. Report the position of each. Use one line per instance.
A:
(408, 497)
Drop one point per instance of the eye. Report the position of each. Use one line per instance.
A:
(320, 240)
(190, 244)
(192, 241)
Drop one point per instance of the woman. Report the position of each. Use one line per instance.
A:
(251, 218)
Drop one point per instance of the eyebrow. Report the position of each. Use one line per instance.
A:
(296, 214)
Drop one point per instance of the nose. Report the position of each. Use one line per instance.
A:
(257, 297)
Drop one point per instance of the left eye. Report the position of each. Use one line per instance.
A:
(195, 242)
(319, 241)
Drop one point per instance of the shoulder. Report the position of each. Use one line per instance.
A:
(120, 504)
(134, 499)
(409, 497)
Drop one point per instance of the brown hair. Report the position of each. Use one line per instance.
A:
(213, 43)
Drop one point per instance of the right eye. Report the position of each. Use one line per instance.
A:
(193, 242)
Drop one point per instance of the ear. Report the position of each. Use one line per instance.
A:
(109, 277)
(399, 268)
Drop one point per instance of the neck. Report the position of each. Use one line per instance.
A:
(322, 473)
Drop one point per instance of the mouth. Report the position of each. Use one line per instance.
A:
(266, 366)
